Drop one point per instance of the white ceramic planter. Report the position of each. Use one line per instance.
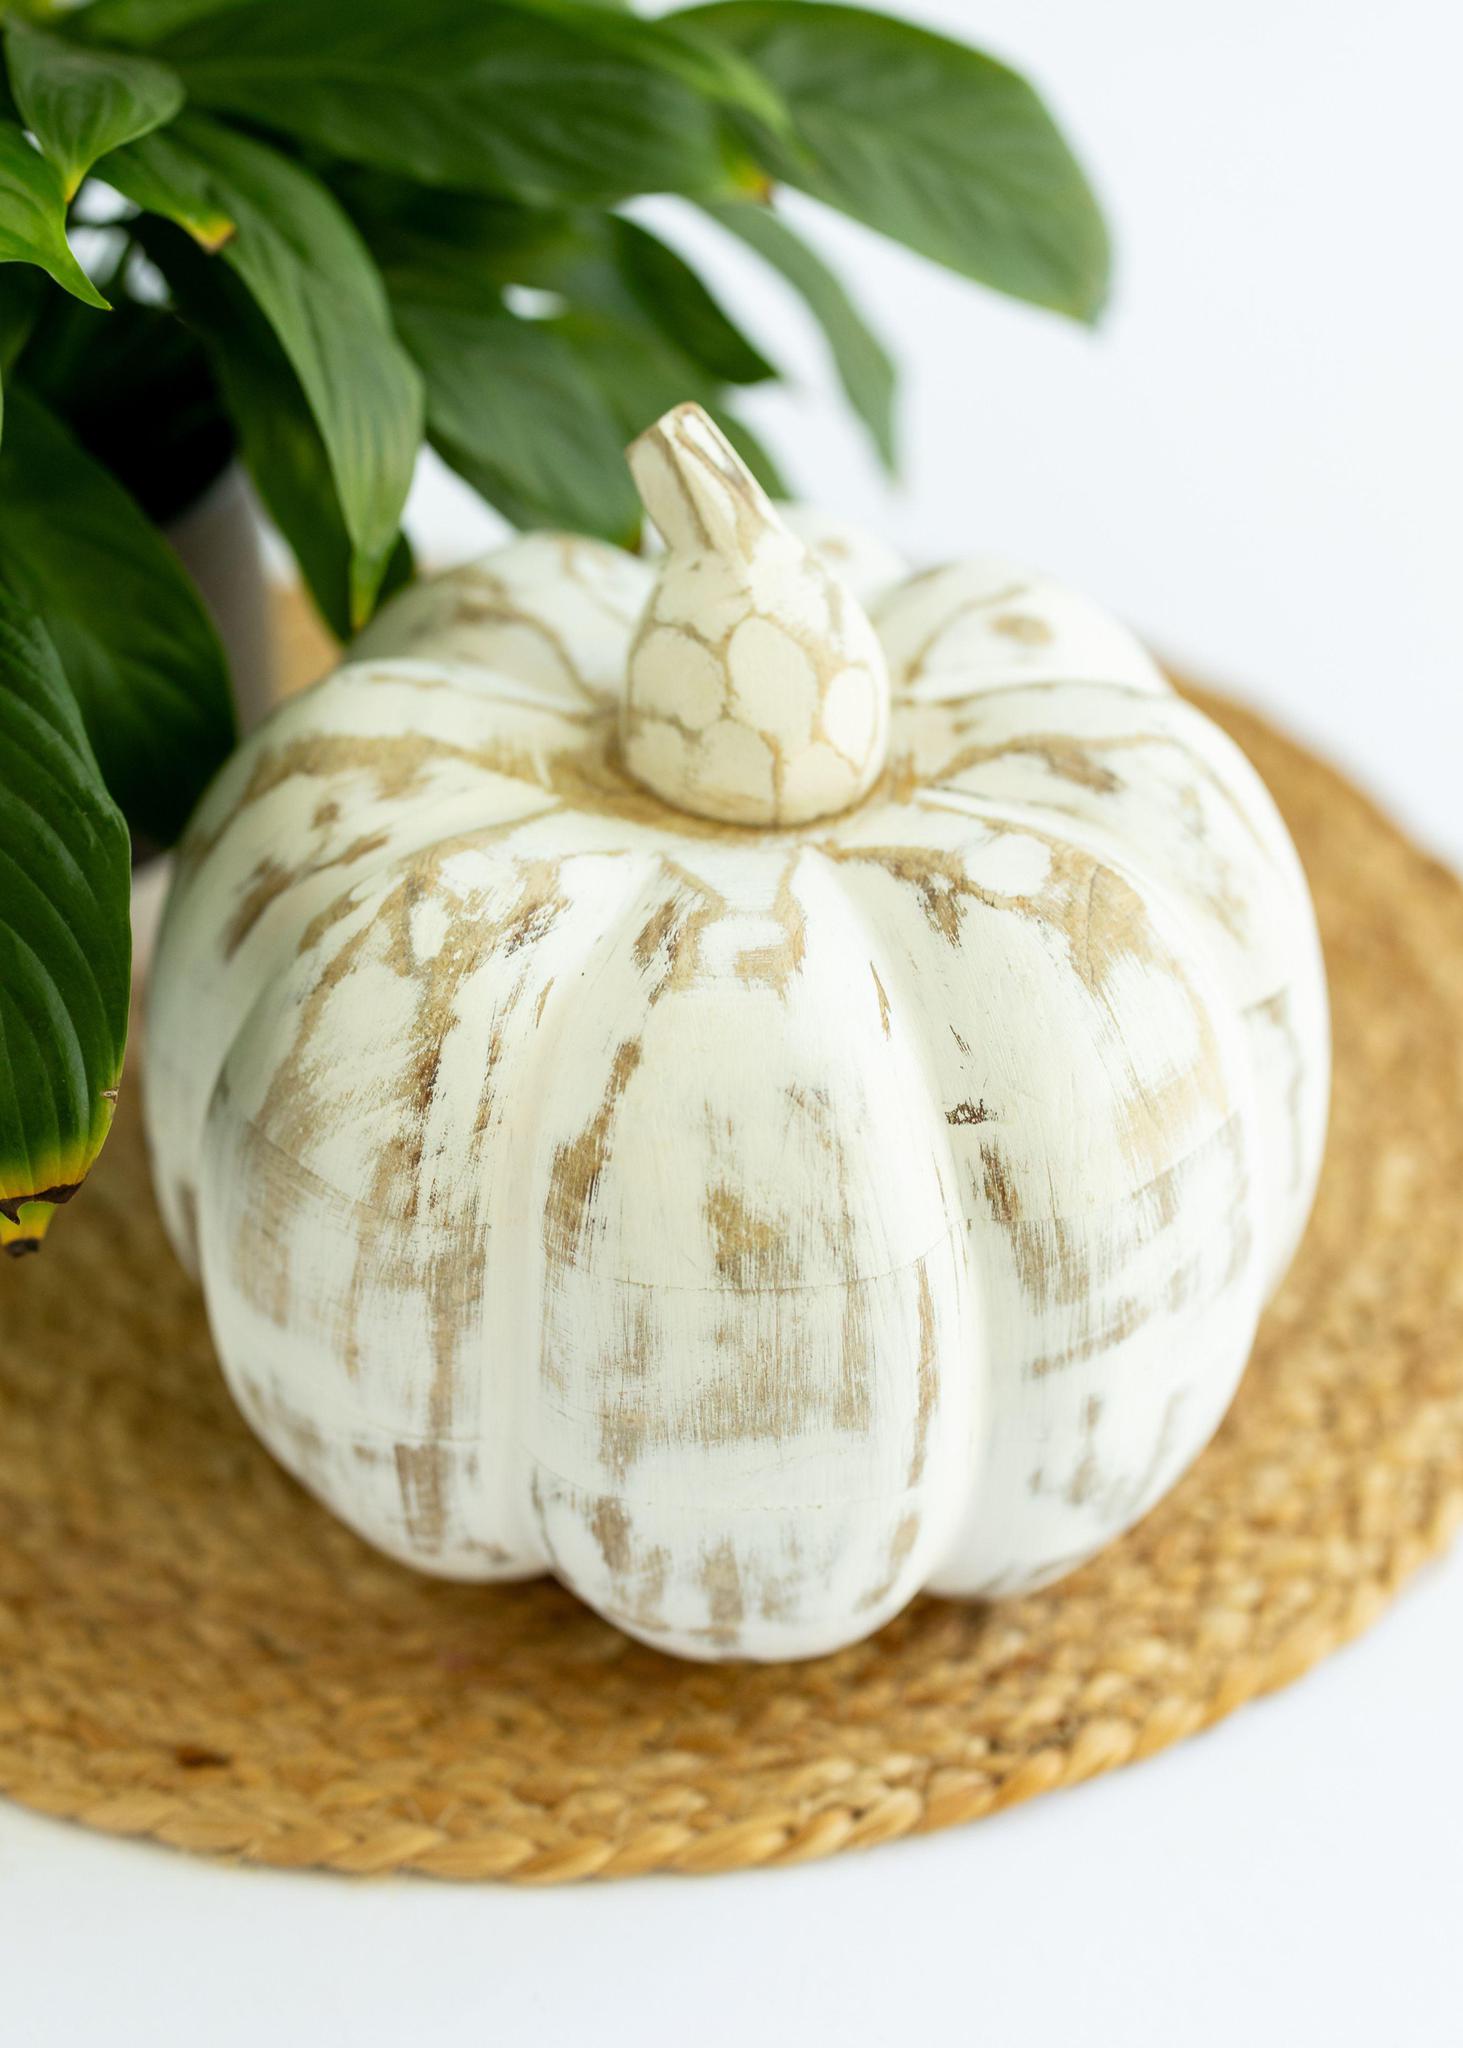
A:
(219, 543)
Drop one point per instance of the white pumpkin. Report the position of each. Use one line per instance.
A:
(750, 1223)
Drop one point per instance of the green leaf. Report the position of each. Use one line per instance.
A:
(313, 279)
(22, 295)
(278, 438)
(65, 943)
(21, 292)
(713, 70)
(641, 376)
(163, 175)
(544, 103)
(145, 406)
(142, 22)
(927, 140)
(80, 102)
(510, 408)
(508, 405)
(420, 233)
(33, 215)
(860, 358)
(458, 252)
(535, 414)
(286, 457)
(672, 296)
(135, 641)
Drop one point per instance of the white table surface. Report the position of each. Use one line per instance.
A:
(1256, 459)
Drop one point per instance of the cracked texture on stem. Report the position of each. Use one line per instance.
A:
(758, 693)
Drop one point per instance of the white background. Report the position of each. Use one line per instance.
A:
(1257, 460)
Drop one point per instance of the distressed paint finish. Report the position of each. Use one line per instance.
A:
(757, 691)
(749, 1225)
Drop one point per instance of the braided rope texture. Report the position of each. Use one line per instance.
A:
(190, 1648)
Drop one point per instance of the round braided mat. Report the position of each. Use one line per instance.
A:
(191, 1649)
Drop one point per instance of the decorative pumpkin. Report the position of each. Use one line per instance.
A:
(753, 1090)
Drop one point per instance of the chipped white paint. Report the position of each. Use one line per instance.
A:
(749, 1225)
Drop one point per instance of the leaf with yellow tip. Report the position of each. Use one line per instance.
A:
(163, 179)
(65, 939)
(313, 278)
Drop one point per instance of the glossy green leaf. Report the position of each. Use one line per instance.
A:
(860, 358)
(713, 70)
(311, 276)
(460, 253)
(65, 941)
(543, 103)
(510, 408)
(927, 140)
(544, 439)
(135, 642)
(143, 22)
(33, 215)
(148, 21)
(277, 436)
(164, 176)
(145, 407)
(287, 459)
(641, 376)
(419, 233)
(80, 102)
(673, 297)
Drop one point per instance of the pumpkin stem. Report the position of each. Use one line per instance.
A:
(757, 691)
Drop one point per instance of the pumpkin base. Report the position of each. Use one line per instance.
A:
(199, 1653)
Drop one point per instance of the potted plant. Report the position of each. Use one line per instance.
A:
(310, 235)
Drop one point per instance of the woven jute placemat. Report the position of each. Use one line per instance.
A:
(191, 1649)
